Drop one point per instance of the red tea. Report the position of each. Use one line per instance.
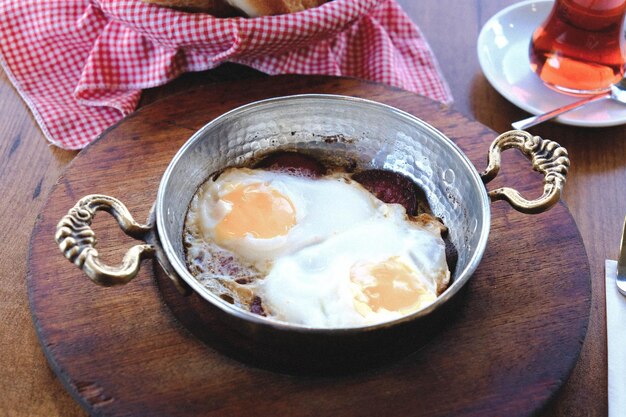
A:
(580, 47)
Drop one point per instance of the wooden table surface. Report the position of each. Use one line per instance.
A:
(595, 195)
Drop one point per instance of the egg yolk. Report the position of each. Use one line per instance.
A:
(390, 285)
(256, 210)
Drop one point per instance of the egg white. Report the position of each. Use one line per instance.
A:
(338, 224)
(312, 287)
(318, 215)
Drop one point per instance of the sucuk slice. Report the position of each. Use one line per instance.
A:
(390, 187)
(293, 163)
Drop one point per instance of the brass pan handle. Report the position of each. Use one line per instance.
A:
(547, 157)
(77, 240)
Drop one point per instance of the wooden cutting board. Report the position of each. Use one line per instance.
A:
(123, 352)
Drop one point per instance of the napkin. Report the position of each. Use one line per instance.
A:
(616, 342)
(80, 65)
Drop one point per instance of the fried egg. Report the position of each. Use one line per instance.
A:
(263, 215)
(329, 254)
(381, 269)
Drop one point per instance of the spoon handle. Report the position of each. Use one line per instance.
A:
(535, 120)
(621, 263)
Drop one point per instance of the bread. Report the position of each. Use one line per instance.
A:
(217, 8)
(255, 8)
(252, 8)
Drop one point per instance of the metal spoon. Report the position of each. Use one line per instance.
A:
(621, 264)
(616, 92)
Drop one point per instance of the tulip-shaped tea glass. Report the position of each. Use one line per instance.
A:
(579, 48)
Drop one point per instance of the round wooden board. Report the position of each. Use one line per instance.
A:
(121, 352)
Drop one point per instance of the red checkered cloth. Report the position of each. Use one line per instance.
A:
(80, 65)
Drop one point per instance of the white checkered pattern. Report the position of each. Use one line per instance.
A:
(80, 65)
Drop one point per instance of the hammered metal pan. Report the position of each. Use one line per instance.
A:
(371, 134)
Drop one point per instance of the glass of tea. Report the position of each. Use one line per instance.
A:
(579, 49)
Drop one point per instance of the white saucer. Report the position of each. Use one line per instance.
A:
(503, 55)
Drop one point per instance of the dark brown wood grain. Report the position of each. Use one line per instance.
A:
(507, 349)
(594, 196)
